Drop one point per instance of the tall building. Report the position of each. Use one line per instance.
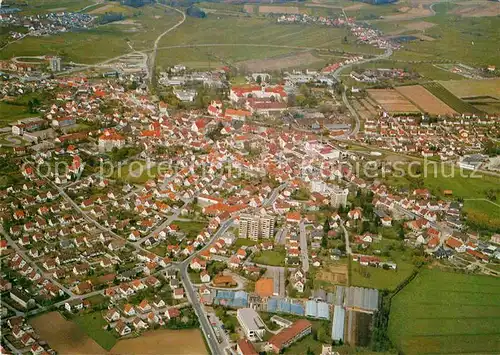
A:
(256, 226)
(318, 186)
(55, 64)
(338, 197)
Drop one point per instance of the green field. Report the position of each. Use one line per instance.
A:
(100, 43)
(93, 324)
(463, 183)
(191, 228)
(451, 100)
(467, 40)
(250, 30)
(270, 257)
(136, 172)
(43, 6)
(444, 313)
(373, 277)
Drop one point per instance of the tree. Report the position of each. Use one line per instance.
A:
(326, 226)
(259, 79)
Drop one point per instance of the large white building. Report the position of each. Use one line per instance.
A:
(338, 197)
(319, 186)
(251, 324)
(256, 226)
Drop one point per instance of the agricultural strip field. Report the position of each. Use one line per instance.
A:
(163, 341)
(444, 313)
(451, 100)
(94, 325)
(392, 101)
(484, 95)
(425, 100)
(64, 336)
(473, 87)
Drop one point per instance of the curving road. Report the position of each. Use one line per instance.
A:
(336, 74)
(152, 59)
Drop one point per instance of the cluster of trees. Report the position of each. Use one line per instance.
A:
(136, 3)
(117, 155)
(195, 11)
(111, 17)
(491, 148)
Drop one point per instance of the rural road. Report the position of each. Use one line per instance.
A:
(336, 74)
(152, 59)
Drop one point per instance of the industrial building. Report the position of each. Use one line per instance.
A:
(256, 226)
(251, 324)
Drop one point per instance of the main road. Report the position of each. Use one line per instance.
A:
(303, 247)
(206, 327)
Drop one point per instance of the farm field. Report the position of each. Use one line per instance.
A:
(445, 313)
(477, 38)
(484, 95)
(93, 325)
(425, 100)
(36, 7)
(64, 336)
(392, 101)
(262, 31)
(165, 342)
(447, 97)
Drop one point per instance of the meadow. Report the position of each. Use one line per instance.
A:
(445, 313)
(93, 325)
(102, 42)
(469, 40)
(250, 30)
(64, 336)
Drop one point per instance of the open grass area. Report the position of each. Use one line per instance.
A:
(11, 111)
(137, 172)
(444, 313)
(250, 30)
(468, 40)
(451, 100)
(372, 277)
(44, 6)
(191, 228)
(270, 257)
(244, 242)
(426, 70)
(464, 184)
(141, 29)
(93, 324)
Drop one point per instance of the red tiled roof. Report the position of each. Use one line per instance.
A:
(288, 334)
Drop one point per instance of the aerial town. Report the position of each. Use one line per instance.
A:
(298, 211)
